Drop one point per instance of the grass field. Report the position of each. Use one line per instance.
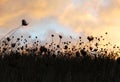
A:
(59, 62)
(18, 68)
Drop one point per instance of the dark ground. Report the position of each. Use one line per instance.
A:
(18, 68)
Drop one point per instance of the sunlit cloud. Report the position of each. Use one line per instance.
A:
(88, 16)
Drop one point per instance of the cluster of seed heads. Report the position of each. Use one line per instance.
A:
(92, 47)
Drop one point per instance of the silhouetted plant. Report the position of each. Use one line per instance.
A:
(90, 38)
(29, 36)
(66, 47)
(13, 45)
(60, 39)
(18, 39)
(83, 63)
(43, 49)
(12, 36)
(21, 36)
(8, 39)
(80, 37)
(22, 47)
(58, 46)
(106, 33)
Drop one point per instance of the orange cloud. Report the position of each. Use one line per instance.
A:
(90, 16)
(33, 9)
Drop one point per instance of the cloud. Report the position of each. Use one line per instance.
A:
(33, 9)
(80, 17)
(77, 14)
(89, 16)
(92, 15)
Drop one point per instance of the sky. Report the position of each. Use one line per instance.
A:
(69, 17)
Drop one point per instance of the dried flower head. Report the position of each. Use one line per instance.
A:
(60, 36)
(106, 33)
(8, 39)
(52, 35)
(66, 47)
(29, 36)
(90, 38)
(13, 45)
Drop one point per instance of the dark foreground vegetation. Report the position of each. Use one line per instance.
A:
(90, 61)
(24, 68)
